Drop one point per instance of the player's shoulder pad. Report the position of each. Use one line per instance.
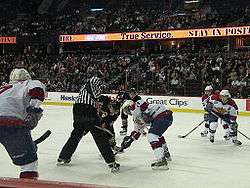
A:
(36, 83)
(215, 97)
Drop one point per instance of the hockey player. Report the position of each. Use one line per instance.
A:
(208, 91)
(109, 110)
(20, 112)
(219, 106)
(159, 118)
(228, 103)
(122, 97)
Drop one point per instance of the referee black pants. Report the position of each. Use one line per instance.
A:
(85, 119)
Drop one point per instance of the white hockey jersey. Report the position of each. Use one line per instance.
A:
(144, 112)
(229, 108)
(15, 98)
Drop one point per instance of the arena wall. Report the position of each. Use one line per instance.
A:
(175, 103)
(26, 183)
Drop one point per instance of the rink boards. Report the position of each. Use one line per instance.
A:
(175, 103)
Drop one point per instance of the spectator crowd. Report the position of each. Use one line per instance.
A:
(123, 19)
(182, 73)
(171, 73)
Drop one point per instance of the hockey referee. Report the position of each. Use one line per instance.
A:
(86, 119)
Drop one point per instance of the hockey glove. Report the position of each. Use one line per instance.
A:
(33, 116)
(209, 107)
(127, 141)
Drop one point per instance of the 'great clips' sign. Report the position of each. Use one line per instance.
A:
(7, 40)
(159, 35)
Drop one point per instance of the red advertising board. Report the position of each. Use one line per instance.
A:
(7, 40)
(247, 104)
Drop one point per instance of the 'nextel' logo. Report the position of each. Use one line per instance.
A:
(68, 98)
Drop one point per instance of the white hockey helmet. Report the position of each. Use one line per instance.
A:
(224, 95)
(208, 88)
(18, 75)
(225, 92)
(126, 107)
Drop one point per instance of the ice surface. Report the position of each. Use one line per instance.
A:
(196, 161)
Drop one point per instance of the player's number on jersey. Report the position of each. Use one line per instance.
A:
(4, 88)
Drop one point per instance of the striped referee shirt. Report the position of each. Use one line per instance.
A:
(90, 91)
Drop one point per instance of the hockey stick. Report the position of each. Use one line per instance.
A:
(183, 136)
(43, 137)
(118, 151)
(243, 135)
(105, 130)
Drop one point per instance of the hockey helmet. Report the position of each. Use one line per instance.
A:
(224, 95)
(132, 92)
(208, 89)
(18, 75)
(126, 107)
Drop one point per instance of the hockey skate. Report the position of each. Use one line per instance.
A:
(227, 137)
(160, 165)
(114, 167)
(166, 153)
(167, 156)
(204, 133)
(237, 142)
(211, 138)
(63, 162)
(123, 132)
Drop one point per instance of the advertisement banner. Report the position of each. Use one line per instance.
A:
(159, 35)
(247, 104)
(175, 103)
(7, 40)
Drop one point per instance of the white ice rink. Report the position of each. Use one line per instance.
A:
(196, 162)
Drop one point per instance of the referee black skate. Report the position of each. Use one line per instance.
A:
(86, 119)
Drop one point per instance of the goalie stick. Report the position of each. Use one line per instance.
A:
(43, 137)
(184, 136)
